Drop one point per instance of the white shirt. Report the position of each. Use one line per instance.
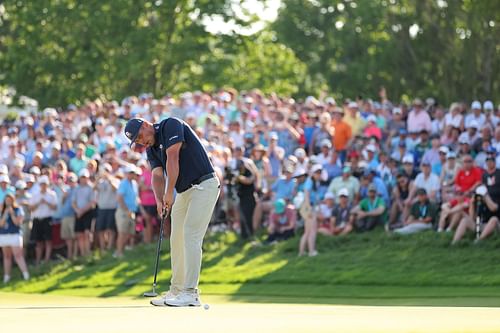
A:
(481, 120)
(43, 210)
(454, 121)
(430, 184)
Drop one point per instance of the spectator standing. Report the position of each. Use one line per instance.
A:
(67, 215)
(106, 200)
(22, 198)
(418, 118)
(79, 162)
(11, 239)
(43, 206)
(128, 204)
(83, 203)
(343, 133)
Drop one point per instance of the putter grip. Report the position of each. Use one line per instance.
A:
(165, 212)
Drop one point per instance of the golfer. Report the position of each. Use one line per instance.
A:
(174, 151)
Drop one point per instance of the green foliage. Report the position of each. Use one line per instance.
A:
(358, 46)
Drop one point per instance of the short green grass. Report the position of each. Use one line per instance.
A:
(372, 268)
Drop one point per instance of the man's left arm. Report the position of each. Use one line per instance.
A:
(172, 173)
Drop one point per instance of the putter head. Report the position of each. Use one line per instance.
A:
(150, 294)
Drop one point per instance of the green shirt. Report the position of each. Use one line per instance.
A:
(423, 210)
(367, 206)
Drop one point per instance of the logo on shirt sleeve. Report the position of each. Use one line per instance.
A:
(174, 137)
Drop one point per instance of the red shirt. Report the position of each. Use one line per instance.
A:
(465, 179)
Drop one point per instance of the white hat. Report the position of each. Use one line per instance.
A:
(4, 169)
(444, 149)
(248, 99)
(300, 153)
(50, 112)
(56, 145)
(476, 105)
(29, 178)
(451, 154)
(44, 180)
(316, 168)
(326, 142)
(464, 140)
(371, 148)
(473, 124)
(352, 105)
(330, 100)
(488, 105)
(18, 163)
(21, 184)
(343, 192)
(300, 171)
(481, 190)
(408, 159)
(84, 173)
(311, 100)
(273, 136)
(329, 195)
(4, 179)
(372, 118)
(35, 170)
(397, 111)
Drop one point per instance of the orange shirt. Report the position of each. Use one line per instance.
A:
(342, 136)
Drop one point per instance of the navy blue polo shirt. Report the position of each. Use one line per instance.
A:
(193, 159)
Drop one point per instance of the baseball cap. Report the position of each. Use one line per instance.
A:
(35, 170)
(316, 168)
(371, 188)
(352, 105)
(300, 152)
(444, 149)
(4, 179)
(463, 140)
(273, 136)
(132, 129)
(408, 159)
(451, 154)
(372, 118)
(300, 171)
(84, 173)
(343, 192)
(421, 191)
(475, 105)
(426, 162)
(326, 143)
(44, 180)
(346, 169)
(371, 148)
(481, 190)
(20, 184)
(397, 111)
(488, 105)
(279, 206)
(72, 177)
(403, 131)
(473, 124)
(329, 195)
(330, 100)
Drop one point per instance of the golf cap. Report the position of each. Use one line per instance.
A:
(299, 172)
(371, 148)
(343, 192)
(132, 129)
(463, 140)
(408, 159)
(316, 167)
(326, 143)
(421, 191)
(279, 206)
(44, 180)
(20, 184)
(372, 188)
(488, 105)
(346, 169)
(476, 105)
(329, 195)
(72, 177)
(273, 136)
(473, 124)
(451, 154)
(444, 149)
(372, 118)
(397, 111)
(300, 153)
(426, 163)
(352, 105)
(4, 179)
(84, 173)
(330, 100)
(35, 170)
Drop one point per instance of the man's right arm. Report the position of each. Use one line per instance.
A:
(158, 183)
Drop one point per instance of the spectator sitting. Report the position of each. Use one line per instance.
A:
(370, 211)
(422, 215)
(486, 204)
(428, 181)
(400, 207)
(347, 181)
(282, 221)
(341, 220)
(324, 211)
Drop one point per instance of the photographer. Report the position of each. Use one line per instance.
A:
(245, 179)
(486, 204)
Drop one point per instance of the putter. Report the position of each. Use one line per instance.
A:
(164, 216)
(478, 218)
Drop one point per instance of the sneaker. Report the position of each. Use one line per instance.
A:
(6, 279)
(26, 276)
(313, 253)
(161, 301)
(184, 299)
(117, 256)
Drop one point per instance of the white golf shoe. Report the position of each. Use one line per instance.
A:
(184, 299)
(161, 301)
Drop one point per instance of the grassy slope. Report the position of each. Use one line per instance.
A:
(358, 269)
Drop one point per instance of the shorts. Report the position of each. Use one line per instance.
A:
(84, 222)
(41, 231)
(124, 223)
(150, 210)
(68, 228)
(105, 220)
(11, 240)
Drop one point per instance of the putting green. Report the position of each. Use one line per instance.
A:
(41, 313)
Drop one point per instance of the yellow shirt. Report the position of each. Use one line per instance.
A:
(357, 123)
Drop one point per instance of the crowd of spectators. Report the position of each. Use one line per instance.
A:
(68, 178)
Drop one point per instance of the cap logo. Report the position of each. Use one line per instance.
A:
(128, 134)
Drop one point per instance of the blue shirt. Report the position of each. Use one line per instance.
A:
(66, 210)
(283, 189)
(193, 159)
(10, 227)
(130, 193)
(314, 193)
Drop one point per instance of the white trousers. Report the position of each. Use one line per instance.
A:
(191, 214)
(413, 228)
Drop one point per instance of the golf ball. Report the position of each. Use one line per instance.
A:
(206, 307)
